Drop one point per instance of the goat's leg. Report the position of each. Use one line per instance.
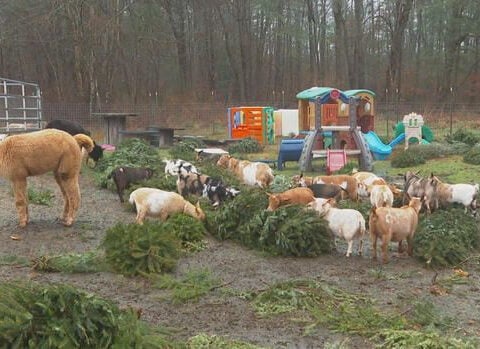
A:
(350, 247)
(410, 246)
(141, 213)
(473, 207)
(373, 239)
(21, 200)
(385, 241)
(400, 247)
(360, 246)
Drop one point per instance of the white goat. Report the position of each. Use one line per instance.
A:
(381, 196)
(162, 204)
(346, 223)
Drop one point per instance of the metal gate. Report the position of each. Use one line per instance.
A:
(20, 106)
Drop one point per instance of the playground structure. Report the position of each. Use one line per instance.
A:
(290, 150)
(411, 128)
(254, 122)
(21, 106)
(334, 120)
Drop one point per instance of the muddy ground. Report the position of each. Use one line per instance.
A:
(394, 286)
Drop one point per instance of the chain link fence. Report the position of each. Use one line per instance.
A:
(210, 119)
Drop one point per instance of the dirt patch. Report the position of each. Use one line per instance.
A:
(394, 287)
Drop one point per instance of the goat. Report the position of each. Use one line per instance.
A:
(394, 224)
(206, 186)
(327, 191)
(424, 188)
(179, 166)
(162, 204)
(346, 223)
(250, 173)
(349, 183)
(381, 196)
(124, 176)
(465, 194)
(298, 195)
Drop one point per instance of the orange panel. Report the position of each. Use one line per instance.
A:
(329, 114)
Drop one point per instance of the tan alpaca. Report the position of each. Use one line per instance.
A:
(35, 153)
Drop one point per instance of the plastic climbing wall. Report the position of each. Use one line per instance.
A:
(254, 122)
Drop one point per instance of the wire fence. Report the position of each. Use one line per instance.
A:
(210, 119)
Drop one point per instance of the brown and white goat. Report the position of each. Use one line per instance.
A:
(365, 181)
(346, 223)
(347, 182)
(394, 224)
(298, 195)
(381, 196)
(154, 202)
(250, 173)
(424, 188)
(465, 194)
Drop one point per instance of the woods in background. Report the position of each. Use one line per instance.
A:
(107, 51)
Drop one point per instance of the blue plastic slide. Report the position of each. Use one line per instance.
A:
(399, 139)
(379, 150)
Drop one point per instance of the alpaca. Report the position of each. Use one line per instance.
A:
(35, 153)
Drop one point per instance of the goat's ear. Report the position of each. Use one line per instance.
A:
(197, 205)
(416, 173)
(301, 174)
(331, 201)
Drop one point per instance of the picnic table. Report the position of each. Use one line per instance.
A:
(113, 123)
(164, 135)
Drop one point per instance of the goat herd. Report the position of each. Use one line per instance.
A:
(320, 193)
(56, 150)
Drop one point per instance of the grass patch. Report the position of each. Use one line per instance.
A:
(327, 306)
(206, 341)
(191, 287)
(9, 259)
(40, 197)
(348, 313)
(394, 339)
(451, 169)
(89, 262)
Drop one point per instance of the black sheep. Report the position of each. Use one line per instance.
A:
(75, 128)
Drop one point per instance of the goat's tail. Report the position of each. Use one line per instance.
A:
(373, 211)
(84, 141)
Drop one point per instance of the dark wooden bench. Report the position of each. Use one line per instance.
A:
(147, 135)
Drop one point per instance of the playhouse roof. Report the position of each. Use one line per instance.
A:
(314, 92)
(351, 93)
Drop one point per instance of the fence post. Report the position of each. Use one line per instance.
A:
(451, 111)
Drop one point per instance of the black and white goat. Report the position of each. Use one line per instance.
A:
(179, 167)
(202, 185)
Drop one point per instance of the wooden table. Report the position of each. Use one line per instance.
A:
(164, 135)
(113, 123)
